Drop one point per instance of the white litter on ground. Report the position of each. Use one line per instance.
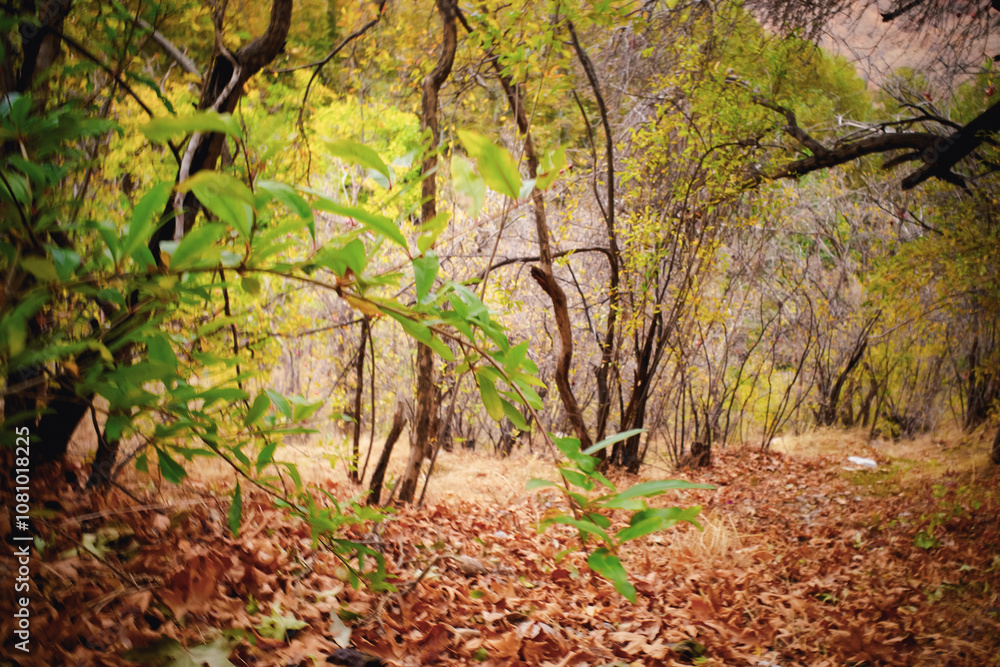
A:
(860, 461)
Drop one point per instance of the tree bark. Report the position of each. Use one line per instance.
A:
(828, 411)
(542, 272)
(426, 404)
(378, 475)
(221, 92)
(355, 475)
(995, 453)
(607, 345)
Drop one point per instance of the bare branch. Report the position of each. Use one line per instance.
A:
(186, 63)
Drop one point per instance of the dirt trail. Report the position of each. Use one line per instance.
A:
(801, 562)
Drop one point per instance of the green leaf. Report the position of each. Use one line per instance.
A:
(227, 197)
(250, 285)
(552, 163)
(355, 256)
(488, 391)
(295, 202)
(114, 426)
(514, 357)
(618, 437)
(170, 469)
(280, 402)
(379, 224)
(496, 165)
(415, 329)
(658, 486)
(582, 525)
(425, 270)
(536, 483)
(144, 216)
(287, 195)
(277, 626)
(66, 261)
(514, 415)
(351, 256)
(293, 472)
(355, 153)
(303, 409)
(442, 350)
(577, 478)
(468, 184)
(266, 455)
(168, 652)
(160, 130)
(43, 268)
(606, 564)
(197, 248)
(658, 518)
(236, 510)
(926, 540)
(111, 239)
(431, 230)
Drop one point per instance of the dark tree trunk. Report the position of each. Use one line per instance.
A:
(828, 410)
(607, 345)
(981, 390)
(101, 473)
(378, 475)
(221, 92)
(426, 404)
(359, 385)
(866, 404)
(995, 452)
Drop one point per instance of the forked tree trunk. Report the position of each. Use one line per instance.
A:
(543, 274)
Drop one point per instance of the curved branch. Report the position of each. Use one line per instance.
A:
(186, 63)
(881, 143)
(527, 260)
(320, 64)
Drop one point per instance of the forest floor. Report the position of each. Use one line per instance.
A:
(804, 559)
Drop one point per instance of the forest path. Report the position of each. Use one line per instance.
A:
(801, 562)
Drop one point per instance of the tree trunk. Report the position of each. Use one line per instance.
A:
(995, 453)
(221, 92)
(543, 274)
(607, 345)
(828, 410)
(378, 475)
(359, 385)
(426, 404)
(981, 389)
(420, 440)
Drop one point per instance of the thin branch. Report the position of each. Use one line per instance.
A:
(97, 61)
(320, 64)
(186, 63)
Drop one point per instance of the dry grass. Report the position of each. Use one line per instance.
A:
(459, 475)
(719, 541)
(485, 478)
(947, 449)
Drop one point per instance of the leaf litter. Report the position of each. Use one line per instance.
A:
(800, 563)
